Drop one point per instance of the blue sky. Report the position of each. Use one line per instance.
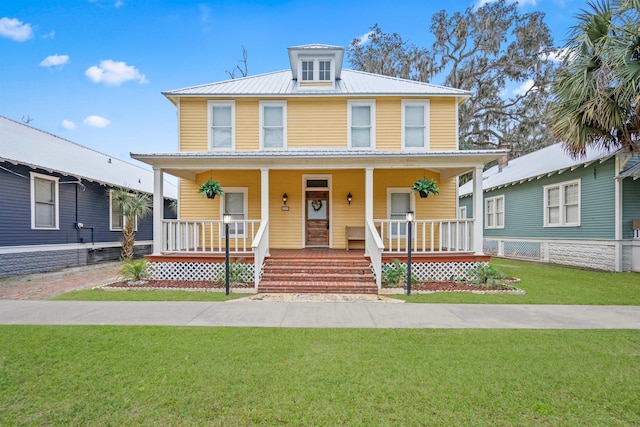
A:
(92, 71)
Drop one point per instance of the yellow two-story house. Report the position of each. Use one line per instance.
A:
(318, 156)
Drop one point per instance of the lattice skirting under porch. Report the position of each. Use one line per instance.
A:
(197, 271)
(441, 271)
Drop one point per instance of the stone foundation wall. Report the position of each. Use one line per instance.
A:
(20, 263)
(592, 255)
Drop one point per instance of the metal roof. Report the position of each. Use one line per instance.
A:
(544, 162)
(352, 83)
(25, 145)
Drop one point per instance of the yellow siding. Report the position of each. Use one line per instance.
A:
(193, 206)
(443, 124)
(247, 124)
(285, 227)
(388, 124)
(434, 207)
(193, 124)
(317, 122)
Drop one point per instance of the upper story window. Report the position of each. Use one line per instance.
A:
(415, 124)
(316, 70)
(494, 212)
(307, 70)
(361, 122)
(44, 202)
(221, 125)
(562, 204)
(324, 71)
(273, 124)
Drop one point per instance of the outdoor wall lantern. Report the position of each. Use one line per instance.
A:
(349, 197)
(285, 198)
(410, 217)
(226, 219)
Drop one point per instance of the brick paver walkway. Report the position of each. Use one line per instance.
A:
(47, 285)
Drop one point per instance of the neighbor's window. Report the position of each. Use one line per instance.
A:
(221, 125)
(494, 212)
(44, 202)
(116, 215)
(398, 204)
(273, 120)
(562, 204)
(361, 122)
(235, 204)
(415, 124)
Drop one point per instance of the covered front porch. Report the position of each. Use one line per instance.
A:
(303, 200)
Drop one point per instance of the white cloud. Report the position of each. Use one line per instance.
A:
(557, 55)
(118, 4)
(14, 29)
(51, 35)
(96, 121)
(68, 124)
(114, 73)
(365, 38)
(524, 87)
(55, 61)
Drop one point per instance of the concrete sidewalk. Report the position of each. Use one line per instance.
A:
(319, 315)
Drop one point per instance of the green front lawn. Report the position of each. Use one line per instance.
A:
(551, 284)
(131, 376)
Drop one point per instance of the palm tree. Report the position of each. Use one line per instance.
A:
(134, 206)
(597, 88)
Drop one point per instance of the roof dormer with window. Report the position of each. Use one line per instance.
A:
(316, 66)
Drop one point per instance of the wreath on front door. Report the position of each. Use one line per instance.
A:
(316, 205)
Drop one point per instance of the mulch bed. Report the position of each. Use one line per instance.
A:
(204, 285)
(172, 284)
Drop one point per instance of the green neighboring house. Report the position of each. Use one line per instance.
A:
(549, 207)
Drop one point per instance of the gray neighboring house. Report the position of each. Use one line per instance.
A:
(549, 207)
(56, 202)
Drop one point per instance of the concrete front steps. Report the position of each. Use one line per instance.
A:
(314, 275)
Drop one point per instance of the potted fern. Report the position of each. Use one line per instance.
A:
(424, 187)
(210, 188)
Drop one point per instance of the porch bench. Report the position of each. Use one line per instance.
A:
(354, 234)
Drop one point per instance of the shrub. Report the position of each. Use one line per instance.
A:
(135, 270)
(394, 275)
(238, 273)
(487, 276)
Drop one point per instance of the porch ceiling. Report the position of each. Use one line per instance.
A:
(447, 163)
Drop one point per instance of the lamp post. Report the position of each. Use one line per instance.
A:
(226, 218)
(409, 218)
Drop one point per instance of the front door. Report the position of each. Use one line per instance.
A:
(317, 218)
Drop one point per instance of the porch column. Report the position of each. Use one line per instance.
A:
(158, 209)
(477, 211)
(368, 203)
(264, 200)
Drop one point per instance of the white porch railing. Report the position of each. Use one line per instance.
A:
(207, 236)
(374, 247)
(442, 235)
(260, 248)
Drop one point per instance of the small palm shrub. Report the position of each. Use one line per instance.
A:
(238, 273)
(488, 276)
(394, 275)
(135, 270)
